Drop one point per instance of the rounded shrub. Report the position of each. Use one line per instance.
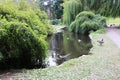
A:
(86, 22)
(20, 47)
(22, 35)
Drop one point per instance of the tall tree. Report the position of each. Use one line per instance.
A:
(58, 9)
(103, 7)
(71, 9)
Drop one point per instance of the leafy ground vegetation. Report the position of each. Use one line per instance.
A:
(23, 29)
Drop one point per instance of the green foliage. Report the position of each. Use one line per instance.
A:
(86, 22)
(71, 9)
(21, 43)
(55, 21)
(58, 9)
(7, 11)
(22, 35)
(23, 6)
(1, 56)
(100, 31)
(103, 7)
(108, 8)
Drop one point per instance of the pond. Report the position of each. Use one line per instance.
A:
(64, 46)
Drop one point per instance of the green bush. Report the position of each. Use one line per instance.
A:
(86, 22)
(20, 43)
(22, 35)
(7, 11)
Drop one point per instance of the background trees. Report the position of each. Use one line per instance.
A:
(72, 8)
(104, 7)
(54, 8)
(58, 9)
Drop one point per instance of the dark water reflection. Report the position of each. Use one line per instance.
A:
(69, 45)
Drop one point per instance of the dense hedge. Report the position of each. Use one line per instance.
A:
(22, 35)
(86, 22)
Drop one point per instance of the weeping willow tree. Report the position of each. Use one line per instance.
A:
(104, 7)
(71, 9)
(110, 8)
(86, 22)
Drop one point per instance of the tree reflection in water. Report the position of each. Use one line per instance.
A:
(65, 45)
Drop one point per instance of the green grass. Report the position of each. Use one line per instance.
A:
(100, 31)
(113, 20)
(102, 64)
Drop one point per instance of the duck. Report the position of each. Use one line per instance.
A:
(79, 40)
(100, 41)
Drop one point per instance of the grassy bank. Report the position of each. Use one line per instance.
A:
(113, 20)
(102, 64)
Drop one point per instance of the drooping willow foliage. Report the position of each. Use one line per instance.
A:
(106, 7)
(71, 9)
(103, 7)
(87, 21)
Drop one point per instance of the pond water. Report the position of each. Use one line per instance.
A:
(64, 46)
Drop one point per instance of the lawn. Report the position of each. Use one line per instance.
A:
(113, 20)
